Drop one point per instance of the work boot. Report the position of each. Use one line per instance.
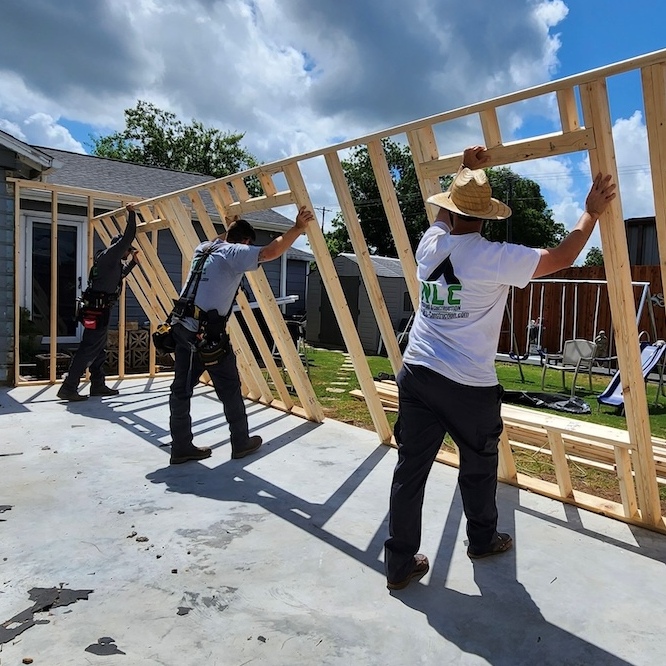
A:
(252, 446)
(191, 454)
(500, 544)
(103, 391)
(70, 396)
(420, 569)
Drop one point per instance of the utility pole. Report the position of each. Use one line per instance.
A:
(509, 222)
(323, 210)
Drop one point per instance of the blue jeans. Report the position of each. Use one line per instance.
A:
(430, 406)
(226, 382)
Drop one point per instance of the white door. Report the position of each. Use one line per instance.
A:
(36, 273)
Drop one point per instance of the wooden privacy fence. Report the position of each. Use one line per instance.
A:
(583, 124)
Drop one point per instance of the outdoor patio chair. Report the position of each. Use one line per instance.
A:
(577, 356)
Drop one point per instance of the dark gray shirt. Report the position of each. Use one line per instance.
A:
(109, 269)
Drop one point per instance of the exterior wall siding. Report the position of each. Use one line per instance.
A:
(168, 251)
(297, 283)
(313, 307)
(368, 331)
(6, 278)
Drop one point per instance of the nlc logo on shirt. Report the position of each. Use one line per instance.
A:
(442, 301)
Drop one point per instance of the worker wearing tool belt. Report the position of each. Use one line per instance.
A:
(111, 266)
(200, 336)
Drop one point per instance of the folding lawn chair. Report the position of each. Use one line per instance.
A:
(576, 356)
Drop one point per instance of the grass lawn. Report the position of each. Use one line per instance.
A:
(332, 384)
(509, 377)
(326, 370)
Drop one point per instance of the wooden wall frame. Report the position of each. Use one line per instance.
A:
(591, 133)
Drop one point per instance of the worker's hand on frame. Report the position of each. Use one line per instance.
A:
(135, 256)
(130, 207)
(304, 217)
(601, 194)
(475, 157)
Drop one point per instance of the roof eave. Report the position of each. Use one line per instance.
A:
(32, 157)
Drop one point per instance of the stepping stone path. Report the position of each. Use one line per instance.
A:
(343, 375)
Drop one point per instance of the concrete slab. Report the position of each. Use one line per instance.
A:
(277, 559)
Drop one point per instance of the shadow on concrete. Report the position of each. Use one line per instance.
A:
(9, 405)
(501, 624)
(231, 482)
(154, 395)
(119, 411)
(127, 411)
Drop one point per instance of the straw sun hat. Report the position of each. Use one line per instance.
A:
(470, 195)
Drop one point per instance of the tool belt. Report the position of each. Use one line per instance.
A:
(98, 299)
(163, 338)
(214, 343)
(93, 309)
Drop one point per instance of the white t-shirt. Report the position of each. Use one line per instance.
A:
(457, 326)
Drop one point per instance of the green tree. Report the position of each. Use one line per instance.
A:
(594, 257)
(158, 138)
(531, 223)
(368, 204)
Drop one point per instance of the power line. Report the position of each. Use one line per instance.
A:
(323, 210)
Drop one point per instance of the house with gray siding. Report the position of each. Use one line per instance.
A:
(322, 328)
(287, 275)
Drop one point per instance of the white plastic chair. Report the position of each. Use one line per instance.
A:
(576, 356)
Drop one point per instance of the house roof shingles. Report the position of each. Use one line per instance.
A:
(384, 266)
(299, 255)
(143, 182)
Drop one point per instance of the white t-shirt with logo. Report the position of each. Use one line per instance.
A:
(457, 325)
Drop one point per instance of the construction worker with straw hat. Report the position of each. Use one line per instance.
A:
(448, 383)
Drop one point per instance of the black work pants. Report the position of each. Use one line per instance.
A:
(430, 406)
(226, 382)
(90, 354)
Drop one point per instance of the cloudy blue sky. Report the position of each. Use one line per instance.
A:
(296, 75)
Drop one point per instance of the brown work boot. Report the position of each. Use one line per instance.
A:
(420, 569)
(191, 454)
(500, 544)
(253, 445)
